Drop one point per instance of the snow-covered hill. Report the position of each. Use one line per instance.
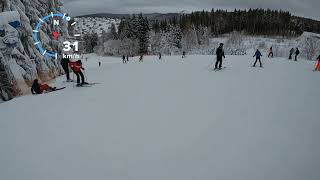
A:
(89, 25)
(171, 119)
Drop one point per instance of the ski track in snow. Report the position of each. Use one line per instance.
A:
(168, 120)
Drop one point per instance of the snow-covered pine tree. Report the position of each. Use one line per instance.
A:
(90, 42)
(113, 32)
(190, 39)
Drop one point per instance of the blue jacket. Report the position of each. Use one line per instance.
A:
(257, 54)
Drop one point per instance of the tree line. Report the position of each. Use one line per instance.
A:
(252, 22)
(191, 32)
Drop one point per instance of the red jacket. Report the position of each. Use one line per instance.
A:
(318, 65)
(75, 66)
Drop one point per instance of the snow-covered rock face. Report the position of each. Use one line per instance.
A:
(20, 58)
(9, 36)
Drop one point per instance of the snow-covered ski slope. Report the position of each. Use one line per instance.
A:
(169, 120)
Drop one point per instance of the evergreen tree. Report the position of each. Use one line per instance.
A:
(142, 29)
(113, 32)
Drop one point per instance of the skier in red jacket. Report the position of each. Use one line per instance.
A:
(76, 68)
(318, 64)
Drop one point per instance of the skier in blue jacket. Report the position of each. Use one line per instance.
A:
(258, 58)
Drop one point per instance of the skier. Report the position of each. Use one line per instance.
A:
(124, 59)
(64, 63)
(318, 64)
(127, 58)
(220, 54)
(258, 58)
(76, 67)
(270, 52)
(183, 54)
(141, 58)
(99, 63)
(38, 88)
(160, 56)
(297, 53)
(291, 53)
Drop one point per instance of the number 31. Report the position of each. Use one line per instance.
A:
(68, 44)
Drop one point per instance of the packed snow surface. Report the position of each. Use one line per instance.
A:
(172, 119)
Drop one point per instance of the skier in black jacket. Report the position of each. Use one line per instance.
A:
(297, 53)
(65, 65)
(183, 54)
(141, 58)
(124, 59)
(220, 54)
(291, 53)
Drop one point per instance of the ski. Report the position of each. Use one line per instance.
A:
(88, 85)
(57, 89)
(219, 69)
(70, 81)
(257, 67)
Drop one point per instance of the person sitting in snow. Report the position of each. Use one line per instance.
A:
(76, 68)
(258, 58)
(318, 64)
(38, 88)
(270, 52)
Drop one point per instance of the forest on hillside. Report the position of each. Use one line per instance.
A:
(138, 34)
(251, 22)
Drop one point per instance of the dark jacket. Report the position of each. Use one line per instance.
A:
(291, 51)
(297, 52)
(65, 62)
(257, 54)
(35, 88)
(220, 52)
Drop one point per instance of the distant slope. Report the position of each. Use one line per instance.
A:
(151, 16)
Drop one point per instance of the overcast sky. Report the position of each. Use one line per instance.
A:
(306, 8)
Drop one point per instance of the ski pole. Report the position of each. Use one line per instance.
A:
(73, 79)
(85, 76)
